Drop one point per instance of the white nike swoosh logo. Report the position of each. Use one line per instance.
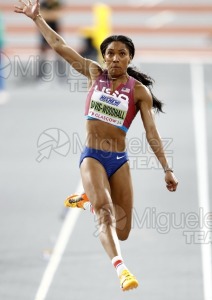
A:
(119, 157)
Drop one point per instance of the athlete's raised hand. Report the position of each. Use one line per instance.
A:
(28, 8)
(171, 182)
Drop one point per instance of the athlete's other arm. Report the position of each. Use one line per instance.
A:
(85, 66)
(144, 102)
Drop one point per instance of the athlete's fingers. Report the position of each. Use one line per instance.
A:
(30, 2)
(18, 9)
(23, 2)
(171, 187)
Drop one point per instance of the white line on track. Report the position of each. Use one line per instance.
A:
(60, 246)
(166, 58)
(160, 19)
(197, 77)
(144, 2)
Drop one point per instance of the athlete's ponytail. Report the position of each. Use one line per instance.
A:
(148, 82)
(143, 78)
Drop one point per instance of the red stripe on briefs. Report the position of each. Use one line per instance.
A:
(118, 262)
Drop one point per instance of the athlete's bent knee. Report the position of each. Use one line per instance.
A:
(123, 234)
(104, 215)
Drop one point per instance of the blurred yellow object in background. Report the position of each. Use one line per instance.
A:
(102, 23)
(94, 35)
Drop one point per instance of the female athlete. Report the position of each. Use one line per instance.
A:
(117, 92)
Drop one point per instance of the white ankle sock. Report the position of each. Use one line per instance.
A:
(88, 206)
(118, 263)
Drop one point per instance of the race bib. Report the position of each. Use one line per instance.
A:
(108, 108)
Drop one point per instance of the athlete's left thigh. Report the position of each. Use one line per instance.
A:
(122, 197)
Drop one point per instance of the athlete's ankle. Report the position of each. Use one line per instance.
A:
(119, 265)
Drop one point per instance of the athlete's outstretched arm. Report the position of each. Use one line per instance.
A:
(85, 66)
(144, 104)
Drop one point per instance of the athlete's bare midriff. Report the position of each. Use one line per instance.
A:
(104, 136)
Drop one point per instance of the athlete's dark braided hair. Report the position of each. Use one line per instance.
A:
(132, 71)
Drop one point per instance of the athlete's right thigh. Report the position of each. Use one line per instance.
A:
(96, 184)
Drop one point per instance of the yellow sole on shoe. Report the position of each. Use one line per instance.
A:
(128, 281)
(130, 286)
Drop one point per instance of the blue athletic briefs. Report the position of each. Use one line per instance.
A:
(111, 161)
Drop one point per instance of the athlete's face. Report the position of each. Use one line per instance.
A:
(117, 58)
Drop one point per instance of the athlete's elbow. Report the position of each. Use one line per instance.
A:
(151, 133)
(58, 44)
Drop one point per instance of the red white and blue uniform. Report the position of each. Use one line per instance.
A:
(117, 108)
